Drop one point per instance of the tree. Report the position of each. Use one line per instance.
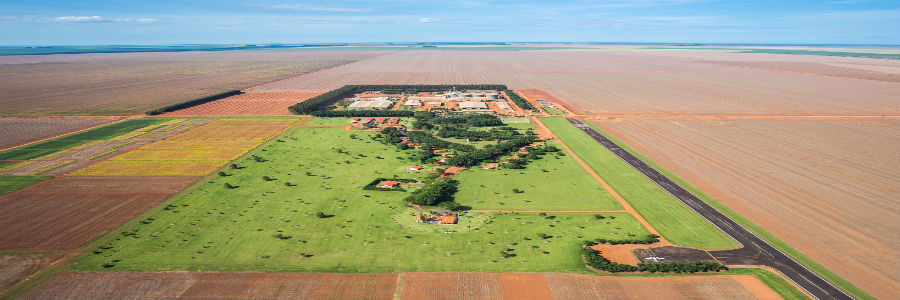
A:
(321, 215)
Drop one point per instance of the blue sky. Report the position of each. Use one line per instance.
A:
(97, 22)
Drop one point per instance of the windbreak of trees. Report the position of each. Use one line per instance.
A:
(649, 239)
(521, 102)
(327, 99)
(193, 102)
(490, 151)
(674, 267)
(493, 134)
(427, 139)
(362, 113)
(471, 120)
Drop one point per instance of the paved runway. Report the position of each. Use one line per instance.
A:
(754, 251)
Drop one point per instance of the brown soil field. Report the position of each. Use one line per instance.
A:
(249, 104)
(637, 82)
(131, 83)
(16, 267)
(810, 182)
(577, 286)
(17, 131)
(68, 212)
(182, 285)
(533, 94)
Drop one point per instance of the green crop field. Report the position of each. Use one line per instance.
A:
(552, 183)
(675, 221)
(214, 228)
(9, 183)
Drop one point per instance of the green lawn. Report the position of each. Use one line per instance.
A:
(518, 123)
(781, 245)
(9, 183)
(553, 111)
(213, 228)
(675, 221)
(552, 183)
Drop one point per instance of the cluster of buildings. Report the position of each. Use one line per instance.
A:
(371, 103)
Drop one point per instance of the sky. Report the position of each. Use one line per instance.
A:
(113, 22)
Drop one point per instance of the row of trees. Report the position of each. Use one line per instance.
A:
(193, 102)
(471, 120)
(428, 139)
(674, 267)
(504, 133)
(362, 113)
(649, 239)
(331, 97)
(490, 151)
(521, 102)
(594, 259)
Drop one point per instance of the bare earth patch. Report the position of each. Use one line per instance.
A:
(16, 267)
(17, 131)
(809, 182)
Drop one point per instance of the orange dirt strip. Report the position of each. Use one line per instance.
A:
(183, 285)
(248, 104)
(68, 212)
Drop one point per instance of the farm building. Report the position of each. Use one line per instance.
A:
(388, 184)
(413, 168)
(413, 102)
(472, 105)
(504, 106)
(372, 104)
(433, 104)
(443, 220)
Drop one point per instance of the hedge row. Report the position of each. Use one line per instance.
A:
(362, 113)
(194, 102)
(521, 102)
(324, 100)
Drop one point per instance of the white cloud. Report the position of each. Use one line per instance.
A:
(425, 20)
(305, 7)
(80, 19)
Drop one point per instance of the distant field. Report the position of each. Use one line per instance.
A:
(675, 221)
(214, 228)
(132, 83)
(248, 104)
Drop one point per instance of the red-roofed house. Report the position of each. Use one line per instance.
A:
(388, 184)
(443, 220)
(413, 168)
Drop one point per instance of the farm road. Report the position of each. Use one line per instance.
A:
(755, 250)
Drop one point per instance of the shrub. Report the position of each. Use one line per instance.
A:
(193, 102)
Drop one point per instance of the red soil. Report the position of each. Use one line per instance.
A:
(122, 285)
(68, 212)
(16, 267)
(249, 104)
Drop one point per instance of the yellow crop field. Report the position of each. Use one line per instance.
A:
(181, 154)
(188, 144)
(150, 168)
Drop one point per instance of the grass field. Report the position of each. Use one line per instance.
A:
(551, 183)
(781, 245)
(10, 183)
(214, 228)
(675, 221)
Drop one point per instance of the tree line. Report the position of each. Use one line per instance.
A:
(193, 102)
(521, 102)
(329, 98)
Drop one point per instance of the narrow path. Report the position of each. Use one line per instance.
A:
(545, 132)
(755, 250)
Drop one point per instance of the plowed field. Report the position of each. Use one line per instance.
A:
(67, 212)
(16, 267)
(119, 285)
(131, 83)
(17, 131)
(576, 286)
(809, 182)
(638, 82)
(249, 104)
(150, 168)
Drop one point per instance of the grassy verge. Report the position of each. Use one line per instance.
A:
(675, 221)
(781, 245)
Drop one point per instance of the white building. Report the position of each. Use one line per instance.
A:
(371, 104)
(468, 105)
(413, 102)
